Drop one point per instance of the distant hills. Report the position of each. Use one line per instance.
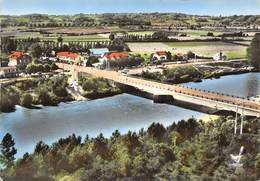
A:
(128, 19)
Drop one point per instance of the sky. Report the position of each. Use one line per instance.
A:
(198, 7)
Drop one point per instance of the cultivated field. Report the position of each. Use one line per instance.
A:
(148, 47)
(200, 48)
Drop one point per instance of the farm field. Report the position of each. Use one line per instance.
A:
(209, 48)
(200, 48)
(148, 47)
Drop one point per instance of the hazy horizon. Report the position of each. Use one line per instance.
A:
(69, 7)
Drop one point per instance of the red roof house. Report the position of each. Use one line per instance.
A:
(160, 55)
(18, 57)
(116, 55)
(69, 56)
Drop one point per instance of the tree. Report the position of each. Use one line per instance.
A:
(41, 148)
(156, 131)
(45, 98)
(131, 141)
(254, 52)
(8, 45)
(100, 146)
(112, 36)
(160, 35)
(7, 151)
(60, 40)
(36, 50)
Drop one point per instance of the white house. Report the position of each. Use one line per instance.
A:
(160, 55)
(219, 56)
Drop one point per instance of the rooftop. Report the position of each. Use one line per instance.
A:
(67, 54)
(16, 54)
(112, 55)
(161, 53)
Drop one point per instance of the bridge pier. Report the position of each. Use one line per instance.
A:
(167, 99)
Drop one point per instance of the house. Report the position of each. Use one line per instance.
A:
(160, 55)
(219, 56)
(18, 58)
(8, 72)
(113, 56)
(69, 56)
(98, 52)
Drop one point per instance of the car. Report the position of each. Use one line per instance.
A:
(124, 71)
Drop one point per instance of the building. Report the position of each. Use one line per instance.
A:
(8, 72)
(98, 52)
(113, 56)
(18, 58)
(160, 55)
(69, 56)
(219, 56)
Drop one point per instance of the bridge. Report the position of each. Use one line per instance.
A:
(209, 99)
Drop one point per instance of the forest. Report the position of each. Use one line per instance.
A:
(186, 150)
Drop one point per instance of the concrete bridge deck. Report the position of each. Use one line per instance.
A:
(213, 100)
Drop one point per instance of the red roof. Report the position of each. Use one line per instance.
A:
(116, 55)
(67, 54)
(16, 55)
(161, 53)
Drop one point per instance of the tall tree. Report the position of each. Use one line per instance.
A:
(36, 50)
(254, 52)
(60, 41)
(7, 150)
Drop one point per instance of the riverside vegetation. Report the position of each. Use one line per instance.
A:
(175, 75)
(187, 150)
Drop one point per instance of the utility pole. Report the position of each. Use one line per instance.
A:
(107, 65)
(242, 121)
(235, 122)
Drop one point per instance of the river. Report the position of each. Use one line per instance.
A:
(123, 112)
(242, 85)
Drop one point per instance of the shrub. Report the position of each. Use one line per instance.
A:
(26, 100)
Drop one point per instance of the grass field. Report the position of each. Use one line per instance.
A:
(237, 54)
(200, 48)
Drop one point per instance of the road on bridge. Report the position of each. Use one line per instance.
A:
(162, 88)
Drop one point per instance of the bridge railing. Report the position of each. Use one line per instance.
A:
(219, 93)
